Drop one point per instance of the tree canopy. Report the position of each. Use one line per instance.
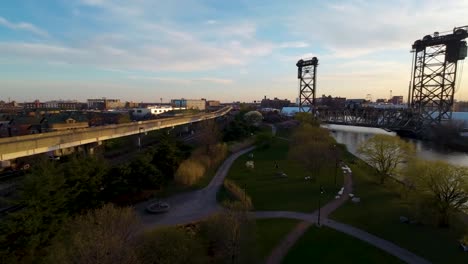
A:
(441, 186)
(312, 146)
(253, 118)
(307, 118)
(385, 153)
(106, 235)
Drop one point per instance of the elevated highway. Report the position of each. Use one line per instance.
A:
(22, 146)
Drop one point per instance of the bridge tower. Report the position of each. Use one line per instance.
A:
(434, 75)
(306, 73)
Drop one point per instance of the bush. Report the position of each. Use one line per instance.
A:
(264, 140)
(189, 172)
(464, 240)
(218, 153)
(253, 118)
(238, 193)
(194, 168)
(106, 235)
(172, 246)
(205, 160)
(230, 235)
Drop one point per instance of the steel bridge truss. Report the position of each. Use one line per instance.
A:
(306, 73)
(369, 117)
(433, 85)
(434, 76)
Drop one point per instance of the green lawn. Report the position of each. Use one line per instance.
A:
(325, 245)
(271, 192)
(269, 232)
(379, 211)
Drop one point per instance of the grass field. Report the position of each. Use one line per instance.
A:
(325, 245)
(272, 192)
(269, 232)
(379, 211)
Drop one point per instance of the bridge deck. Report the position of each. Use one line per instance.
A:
(21, 146)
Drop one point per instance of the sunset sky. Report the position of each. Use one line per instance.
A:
(242, 50)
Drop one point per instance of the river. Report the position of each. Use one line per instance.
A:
(352, 136)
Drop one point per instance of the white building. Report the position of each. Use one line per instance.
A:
(151, 110)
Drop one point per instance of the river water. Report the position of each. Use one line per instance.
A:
(352, 136)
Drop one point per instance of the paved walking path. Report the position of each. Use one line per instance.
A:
(197, 205)
(191, 206)
(385, 245)
(282, 249)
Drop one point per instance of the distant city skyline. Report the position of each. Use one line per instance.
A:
(144, 50)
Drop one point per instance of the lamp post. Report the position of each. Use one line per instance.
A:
(139, 138)
(320, 194)
(245, 196)
(336, 161)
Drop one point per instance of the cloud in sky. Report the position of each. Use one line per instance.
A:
(242, 46)
(23, 26)
(182, 81)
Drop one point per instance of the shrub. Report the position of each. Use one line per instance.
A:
(106, 235)
(171, 245)
(238, 193)
(219, 153)
(205, 160)
(194, 168)
(189, 172)
(264, 139)
(230, 235)
(464, 240)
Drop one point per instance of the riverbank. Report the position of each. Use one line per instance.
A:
(352, 137)
(379, 213)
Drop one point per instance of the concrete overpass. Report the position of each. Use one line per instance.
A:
(22, 146)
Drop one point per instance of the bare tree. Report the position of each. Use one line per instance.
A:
(230, 235)
(106, 235)
(312, 146)
(171, 245)
(385, 153)
(209, 134)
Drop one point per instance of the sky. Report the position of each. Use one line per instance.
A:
(242, 50)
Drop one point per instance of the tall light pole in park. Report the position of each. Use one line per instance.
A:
(139, 138)
(336, 161)
(320, 194)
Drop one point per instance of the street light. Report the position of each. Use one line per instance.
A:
(139, 138)
(320, 194)
(245, 196)
(336, 161)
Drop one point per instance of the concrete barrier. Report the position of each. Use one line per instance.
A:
(22, 146)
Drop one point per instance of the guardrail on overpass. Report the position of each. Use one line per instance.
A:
(22, 146)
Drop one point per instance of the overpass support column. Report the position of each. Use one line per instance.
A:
(91, 147)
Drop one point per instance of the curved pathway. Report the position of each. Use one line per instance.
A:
(384, 245)
(191, 206)
(281, 250)
(197, 205)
